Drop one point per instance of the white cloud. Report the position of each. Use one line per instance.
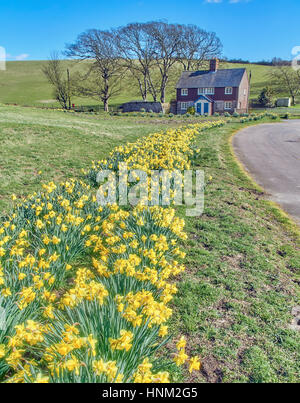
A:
(23, 56)
(20, 57)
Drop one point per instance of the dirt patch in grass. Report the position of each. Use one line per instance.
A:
(211, 371)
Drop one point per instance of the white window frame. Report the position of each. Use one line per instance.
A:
(183, 106)
(184, 91)
(226, 105)
(206, 91)
(245, 92)
(228, 90)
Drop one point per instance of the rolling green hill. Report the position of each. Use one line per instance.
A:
(23, 83)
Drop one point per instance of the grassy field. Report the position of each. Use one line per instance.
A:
(235, 299)
(23, 83)
(59, 144)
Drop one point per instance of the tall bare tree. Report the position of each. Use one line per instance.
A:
(286, 79)
(59, 77)
(186, 44)
(148, 51)
(100, 47)
(196, 46)
(166, 39)
(137, 49)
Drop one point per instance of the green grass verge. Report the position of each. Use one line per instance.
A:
(242, 278)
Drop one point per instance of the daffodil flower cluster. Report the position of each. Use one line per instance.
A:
(169, 150)
(85, 289)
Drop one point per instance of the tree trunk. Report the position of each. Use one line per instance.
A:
(152, 90)
(142, 89)
(145, 88)
(154, 96)
(69, 89)
(106, 93)
(293, 100)
(163, 90)
(105, 102)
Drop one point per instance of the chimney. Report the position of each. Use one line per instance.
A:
(214, 64)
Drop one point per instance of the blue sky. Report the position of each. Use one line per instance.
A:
(249, 29)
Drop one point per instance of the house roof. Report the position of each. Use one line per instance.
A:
(205, 97)
(204, 78)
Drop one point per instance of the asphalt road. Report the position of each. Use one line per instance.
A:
(271, 155)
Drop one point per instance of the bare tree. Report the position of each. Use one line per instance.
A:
(59, 78)
(166, 39)
(148, 51)
(277, 61)
(187, 44)
(93, 85)
(138, 52)
(100, 47)
(196, 46)
(285, 79)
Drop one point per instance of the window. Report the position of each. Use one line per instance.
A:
(228, 90)
(245, 92)
(184, 106)
(228, 105)
(219, 106)
(184, 91)
(240, 105)
(208, 91)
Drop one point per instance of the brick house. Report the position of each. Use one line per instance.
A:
(213, 90)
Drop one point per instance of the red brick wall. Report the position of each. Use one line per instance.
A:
(219, 95)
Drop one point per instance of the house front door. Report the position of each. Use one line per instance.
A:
(202, 108)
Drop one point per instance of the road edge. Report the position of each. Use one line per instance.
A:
(274, 208)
